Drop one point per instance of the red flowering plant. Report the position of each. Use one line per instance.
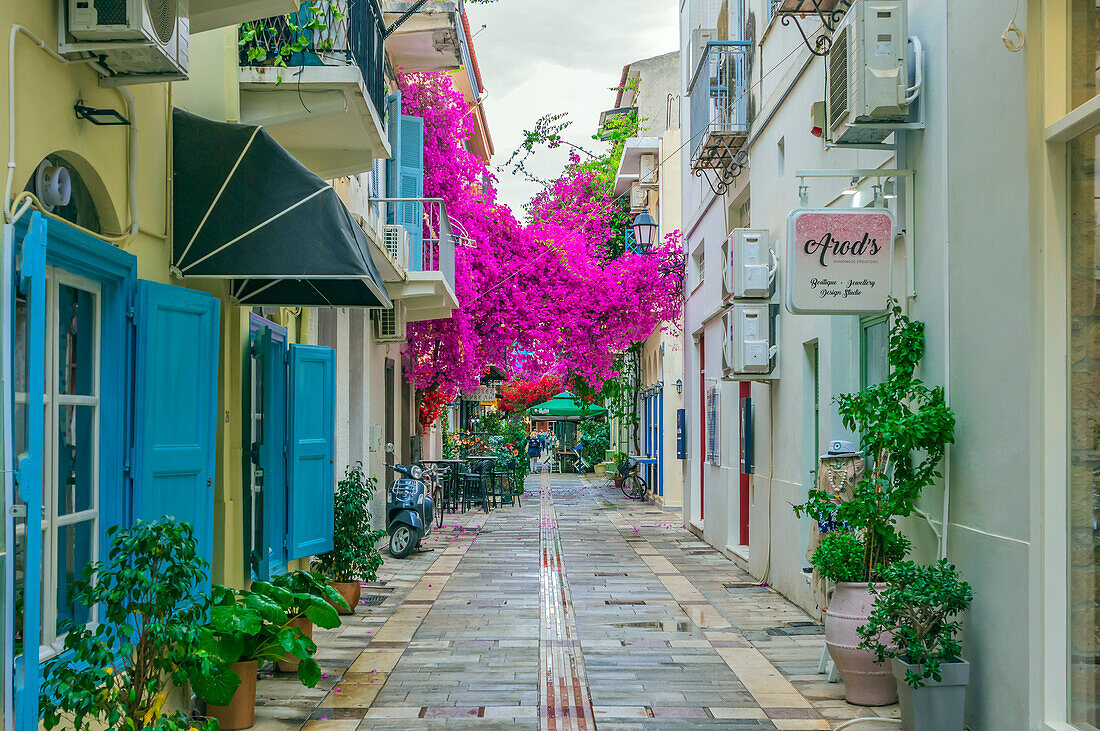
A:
(546, 288)
(519, 395)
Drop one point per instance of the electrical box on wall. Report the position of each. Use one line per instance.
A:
(751, 266)
(749, 348)
(647, 170)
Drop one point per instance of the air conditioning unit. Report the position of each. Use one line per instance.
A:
(647, 170)
(700, 37)
(638, 197)
(389, 325)
(867, 72)
(396, 239)
(136, 40)
(749, 271)
(749, 349)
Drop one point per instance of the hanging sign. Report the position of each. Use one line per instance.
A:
(839, 261)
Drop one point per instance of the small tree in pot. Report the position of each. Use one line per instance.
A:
(905, 428)
(353, 557)
(917, 610)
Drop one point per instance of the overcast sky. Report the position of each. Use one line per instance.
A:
(545, 56)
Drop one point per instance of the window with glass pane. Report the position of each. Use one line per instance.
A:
(1084, 50)
(873, 344)
(1084, 420)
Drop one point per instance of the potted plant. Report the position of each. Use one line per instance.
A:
(622, 466)
(303, 584)
(353, 557)
(150, 636)
(904, 427)
(252, 627)
(917, 609)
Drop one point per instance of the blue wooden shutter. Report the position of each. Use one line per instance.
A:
(311, 451)
(28, 476)
(393, 131)
(272, 457)
(412, 186)
(175, 408)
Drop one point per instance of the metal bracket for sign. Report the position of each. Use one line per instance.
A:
(909, 229)
(721, 178)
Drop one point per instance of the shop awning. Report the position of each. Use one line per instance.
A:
(563, 407)
(246, 210)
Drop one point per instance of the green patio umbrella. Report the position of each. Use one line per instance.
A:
(564, 408)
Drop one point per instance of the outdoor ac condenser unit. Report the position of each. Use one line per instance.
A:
(700, 37)
(396, 239)
(638, 197)
(647, 170)
(867, 71)
(389, 325)
(136, 40)
(749, 347)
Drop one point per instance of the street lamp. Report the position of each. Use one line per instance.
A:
(645, 230)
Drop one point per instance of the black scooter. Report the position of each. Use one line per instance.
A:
(409, 509)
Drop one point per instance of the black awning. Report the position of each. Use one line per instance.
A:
(246, 210)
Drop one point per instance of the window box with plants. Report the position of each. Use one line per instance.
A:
(904, 427)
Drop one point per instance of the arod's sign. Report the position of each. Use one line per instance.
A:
(839, 261)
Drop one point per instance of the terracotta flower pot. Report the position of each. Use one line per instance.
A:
(351, 591)
(241, 711)
(866, 683)
(290, 663)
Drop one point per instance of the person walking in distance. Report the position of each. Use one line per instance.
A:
(534, 450)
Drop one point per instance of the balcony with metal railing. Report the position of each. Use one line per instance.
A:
(719, 104)
(315, 79)
(426, 253)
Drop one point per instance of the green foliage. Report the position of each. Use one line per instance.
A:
(916, 610)
(839, 557)
(353, 556)
(256, 625)
(596, 435)
(152, 605)
(272, 41)
(905, 427)
(620, 393)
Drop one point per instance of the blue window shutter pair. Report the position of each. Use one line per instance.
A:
(175, 410)
(311, 451)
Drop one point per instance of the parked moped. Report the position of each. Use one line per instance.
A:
(409, 509)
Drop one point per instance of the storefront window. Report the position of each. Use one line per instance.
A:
(1084, 51)
(1084, 413)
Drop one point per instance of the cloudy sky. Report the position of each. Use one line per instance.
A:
(545, 56)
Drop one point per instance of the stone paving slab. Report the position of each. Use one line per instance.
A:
(668, 632)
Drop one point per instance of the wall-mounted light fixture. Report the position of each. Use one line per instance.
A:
(99, 117)
(645, 230)
(679, 385)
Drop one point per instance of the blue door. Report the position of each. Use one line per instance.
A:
(310, 450)
(175, 408)
(267, 453)
(27, 463)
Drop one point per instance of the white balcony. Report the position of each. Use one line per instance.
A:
(326, 105)
(430, 39)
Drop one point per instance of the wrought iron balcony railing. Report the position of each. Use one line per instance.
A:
(719, 102)
(322, 33)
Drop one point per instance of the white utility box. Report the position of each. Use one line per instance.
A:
(750, 339)
(867, 71)
(749, 272)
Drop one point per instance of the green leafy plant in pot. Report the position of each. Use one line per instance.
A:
(354, 557)
(904, 427)
(248, 628)
(150, 636)
(310, 596)
(917, 609)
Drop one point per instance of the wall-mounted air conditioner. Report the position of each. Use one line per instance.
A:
(647, 170)
(396, 239)
(389, 325)
(867, 71)
(750, 265)
(638, 197)
(749, 348)
(700, 37)
(137, 41)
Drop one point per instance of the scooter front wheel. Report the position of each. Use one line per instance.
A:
(402, 541)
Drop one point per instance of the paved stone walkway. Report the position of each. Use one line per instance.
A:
(578, 610)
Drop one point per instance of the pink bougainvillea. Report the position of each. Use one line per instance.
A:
(538, 296)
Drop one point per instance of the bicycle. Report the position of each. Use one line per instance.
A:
(435, 489)
(633, 484)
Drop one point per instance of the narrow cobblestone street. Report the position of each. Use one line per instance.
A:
(578, 607)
